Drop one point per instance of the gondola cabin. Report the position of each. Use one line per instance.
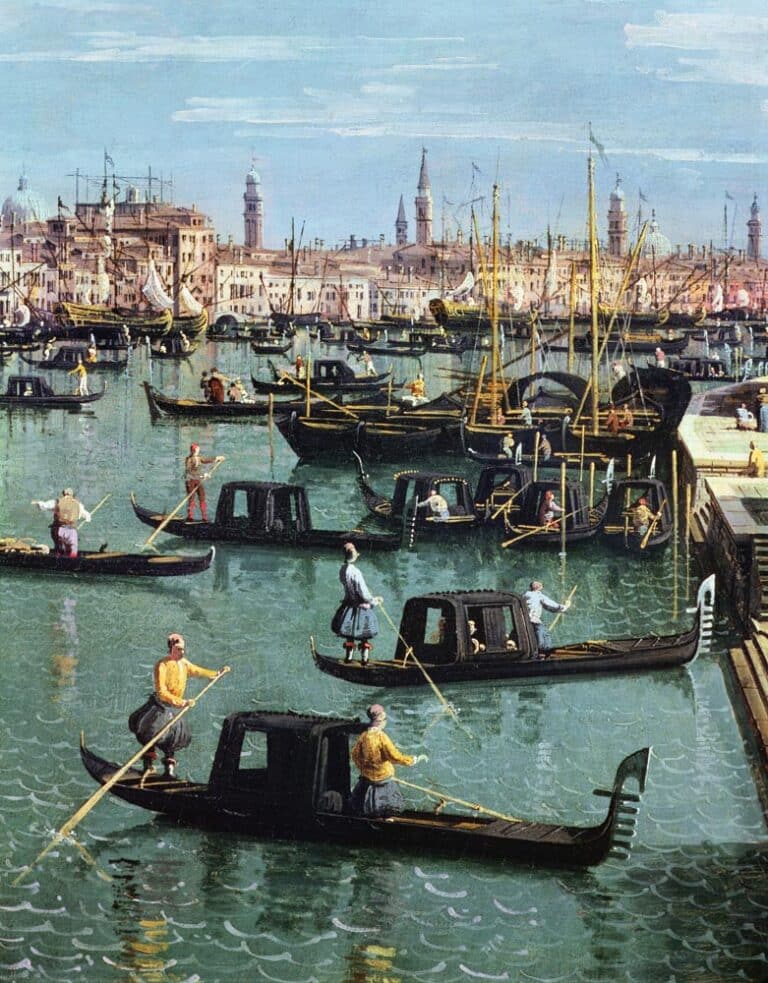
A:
(575, 506)
(466, 628)
(501, 491)
(267, 506)
(412, 488)
(698, 367)
(630, 501)
(27, 386)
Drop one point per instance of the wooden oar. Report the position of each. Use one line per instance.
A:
(539, 529)
(178, 508)
(559, 614)
(99, 794)
(652, 526)
(409, 653)
(317, 395)
(96, 508)
(474, 806)
(506, 505)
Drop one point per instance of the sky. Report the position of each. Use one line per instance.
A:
(334, 102)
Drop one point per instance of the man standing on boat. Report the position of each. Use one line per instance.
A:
(355, 620)
(437, 505)
(194, 477)
(81, 375)
(163, 705)
(67, 512)
(375, 757)
(538, 602)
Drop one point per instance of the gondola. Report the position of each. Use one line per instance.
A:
(264, 513)
(414, 351)
(161, 405)
(68, 356)
(33, 393)
(300, 793)
(632, 342)
(102, 563)
(618, 529)
(172, 348)
(434, 640)
(327, 375)
(582, 521)
(270, 347)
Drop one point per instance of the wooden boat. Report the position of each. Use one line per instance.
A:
(264, 513)
(434, 629)
(161, 406)
(582, 521)
(259, 347)
(327, 375)
(102, 562)
(634, 342)
(172, 347)
(617, 529)
(67, 357)
(414, 351)
(33, 393)
(501, 489)
(300, 793)
(95, 316)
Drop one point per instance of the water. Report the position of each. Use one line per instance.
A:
(135, 898)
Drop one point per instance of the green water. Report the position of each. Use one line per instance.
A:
(145, 900)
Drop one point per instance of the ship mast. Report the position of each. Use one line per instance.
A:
(593, 296)
(496, 372)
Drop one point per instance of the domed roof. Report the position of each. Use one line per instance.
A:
(25, 205)
(656, 243)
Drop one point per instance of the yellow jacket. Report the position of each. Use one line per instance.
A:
(171, 679)
(374, 755)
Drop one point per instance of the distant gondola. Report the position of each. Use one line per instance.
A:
(34, 393)
(633, 342)
(264, 513)
(172, 347)
(414, 351)
(259, 347)
(68, 356)
(104, 563)
(302, 787)
(618, 529)
(435, 629)
(327, 375)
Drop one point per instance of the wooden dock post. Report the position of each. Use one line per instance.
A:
(562, 503)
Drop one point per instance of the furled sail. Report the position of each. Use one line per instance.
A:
(188, 302)
(21, 316)
(550, 281)
(742, 298)
(154, 290)
(517, 296)
(464, 288)
(103, 287)
(717, 299)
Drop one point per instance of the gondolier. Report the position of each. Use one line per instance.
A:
(375, 757)
(171, 674)
(193, 480)
(355, 620)
(538, 602)
(67, 512)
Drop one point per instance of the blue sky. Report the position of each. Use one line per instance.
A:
(335, 101)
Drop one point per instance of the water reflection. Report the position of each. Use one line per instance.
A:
(66, 646)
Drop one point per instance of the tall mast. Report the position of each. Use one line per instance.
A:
(593, 297)
(494, 313)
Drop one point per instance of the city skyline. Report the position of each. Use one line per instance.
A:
(335, 109)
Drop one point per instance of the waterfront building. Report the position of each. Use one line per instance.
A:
(24, 206)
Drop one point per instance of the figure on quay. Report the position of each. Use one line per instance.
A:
(355, 619)
(375, 756)
(67, 512)
(538, 602)
(755, 462)
(194, 476)
(170, 676)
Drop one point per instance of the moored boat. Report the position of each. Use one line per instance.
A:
(161, 405)
(622, 528)
(301, 790)
(18, 554)
(434, 640)
(33, 392)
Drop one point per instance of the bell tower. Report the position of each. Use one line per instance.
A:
(617, 222)
(424, 205)
(401, 225)
(253, 210)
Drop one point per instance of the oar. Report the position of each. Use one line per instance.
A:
(559, 615)
(178, 508)
(447, 707)
(474, 806)
(317, 395)
(652, 526)
(96, 508)
(505, 506)
(537, 529)
(99, 794)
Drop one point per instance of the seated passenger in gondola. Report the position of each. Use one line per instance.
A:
(375, 757)
(626, 418)
(641, 515)
(508, 445)
(216, 387)
(549, 510)
(477, 645)
(612, 420)
(437, 505)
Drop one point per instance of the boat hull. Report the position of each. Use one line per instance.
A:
(107, 563)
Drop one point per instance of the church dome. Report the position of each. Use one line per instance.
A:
(25, 205)
(656, 243)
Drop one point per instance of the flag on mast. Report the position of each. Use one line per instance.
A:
(600, 147)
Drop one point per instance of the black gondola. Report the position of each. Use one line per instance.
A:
(161, 405)
(633, 342)
(500, 491)
(434, 640)
(327, 375)
(620, 531)
(32, 392)
(415, 351)
(68, 356)
(264, 513)
(172, 347)
(301, 790)
(259, 347)
(102, 563)
(582, 521)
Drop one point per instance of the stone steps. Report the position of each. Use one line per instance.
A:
(750, 663)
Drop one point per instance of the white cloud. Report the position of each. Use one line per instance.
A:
(734, 48)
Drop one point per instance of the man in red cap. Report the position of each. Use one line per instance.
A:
(194, 477)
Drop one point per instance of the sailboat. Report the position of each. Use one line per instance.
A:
(192, 322)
